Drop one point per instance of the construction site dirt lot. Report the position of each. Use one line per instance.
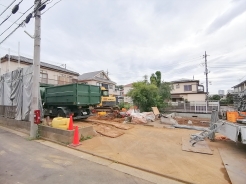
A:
(159, 150)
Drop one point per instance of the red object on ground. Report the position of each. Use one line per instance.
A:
(76, 137)
(70, 127)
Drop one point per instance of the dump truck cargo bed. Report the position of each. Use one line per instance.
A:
(73, 95)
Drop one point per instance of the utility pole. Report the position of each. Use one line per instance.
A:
(206, 73)
(36, 68)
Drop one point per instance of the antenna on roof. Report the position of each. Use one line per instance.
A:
(107, 72)
(193, 77)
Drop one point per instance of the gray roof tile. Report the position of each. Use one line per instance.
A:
(42, 64)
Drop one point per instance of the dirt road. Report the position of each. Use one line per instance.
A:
(159, 150)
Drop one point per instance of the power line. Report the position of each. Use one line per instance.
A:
(7, 7)
(34, 11)
(51, 6)
(12, 12)
(17, 20)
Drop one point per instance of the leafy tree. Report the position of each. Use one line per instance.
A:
(145, 79)
(215, 97)
(156, 78)
(229, 98)
(146, 95)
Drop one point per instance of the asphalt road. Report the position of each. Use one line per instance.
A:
(23, 162)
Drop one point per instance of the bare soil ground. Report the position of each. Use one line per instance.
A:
(159, 150)
(195, 121)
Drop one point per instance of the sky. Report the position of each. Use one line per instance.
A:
(133, 38)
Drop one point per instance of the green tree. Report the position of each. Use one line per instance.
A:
(215, 97)
(229, 98)
(156, 78)
(144, 95)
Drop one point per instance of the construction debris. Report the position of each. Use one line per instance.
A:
(190, 127)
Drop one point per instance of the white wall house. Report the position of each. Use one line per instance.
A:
(187, 90)
(127, 88)
(49, 74)
(240, 87)
(99, 78)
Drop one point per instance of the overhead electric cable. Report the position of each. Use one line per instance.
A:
(52, 6)
(34, 11)
(14, 10)
(16, 20)
(7, 7)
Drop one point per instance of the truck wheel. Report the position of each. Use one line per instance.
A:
(60, 113)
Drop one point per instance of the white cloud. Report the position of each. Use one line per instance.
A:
(134, 38)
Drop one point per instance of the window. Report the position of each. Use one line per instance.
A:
(177, 86)
(110, 86)
(44, 78)
(187, 88)
(105, 93)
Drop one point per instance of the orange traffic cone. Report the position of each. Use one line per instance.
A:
(70, 123)
(76, 137)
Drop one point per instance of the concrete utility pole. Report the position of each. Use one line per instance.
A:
(206, 73)
(36, 68)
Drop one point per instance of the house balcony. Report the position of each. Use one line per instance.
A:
(57, 82)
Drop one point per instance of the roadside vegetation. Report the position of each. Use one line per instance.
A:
(150, 93)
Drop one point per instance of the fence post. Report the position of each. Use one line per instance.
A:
(206, 106)
(195, 106)
(214, 119)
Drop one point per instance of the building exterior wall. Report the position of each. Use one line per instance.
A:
(53, 76)
(126, 98)
(179, 87)
(196, 97)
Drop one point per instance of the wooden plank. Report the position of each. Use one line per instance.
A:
(199, 147)
(235, 163)
(155, 110)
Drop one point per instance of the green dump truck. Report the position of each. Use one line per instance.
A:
(70, 99)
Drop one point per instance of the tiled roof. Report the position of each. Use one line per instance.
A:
(42, 64)
(128, 85)
(93, 76)
(89, 75)
(184, 80)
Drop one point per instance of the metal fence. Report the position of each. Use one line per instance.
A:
(196, 107)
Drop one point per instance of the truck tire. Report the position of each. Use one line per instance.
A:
(60, 113)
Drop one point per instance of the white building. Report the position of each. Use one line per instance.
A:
(127, 88)
(221, 92)
(49, 74)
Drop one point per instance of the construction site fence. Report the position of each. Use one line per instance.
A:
(194, 106)
(7, 111)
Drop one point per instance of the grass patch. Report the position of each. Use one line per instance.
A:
(85, 138)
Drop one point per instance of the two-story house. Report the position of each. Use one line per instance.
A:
(49, 74)
(127, 88)
(187, 90)
(240, 87)
(99, 78)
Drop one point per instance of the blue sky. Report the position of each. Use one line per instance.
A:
(132, 38)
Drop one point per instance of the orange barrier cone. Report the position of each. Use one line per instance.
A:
(76, 137)
(70, 123)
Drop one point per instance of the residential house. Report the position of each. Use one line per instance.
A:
(49, 74)
(187, 90)
(99, 78)
(240, 87)
(127, 88)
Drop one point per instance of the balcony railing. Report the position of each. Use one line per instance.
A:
(57, 82)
